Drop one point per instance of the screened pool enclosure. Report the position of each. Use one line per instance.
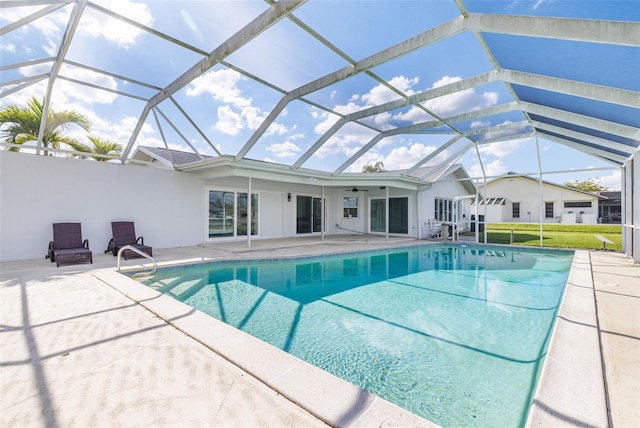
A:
(316, 92)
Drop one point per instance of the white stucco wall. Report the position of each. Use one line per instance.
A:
(170, 208)
(446, 188)
(631, 209)
(525, 191)
(37, 191)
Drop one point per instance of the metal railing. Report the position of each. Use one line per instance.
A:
(143, 254)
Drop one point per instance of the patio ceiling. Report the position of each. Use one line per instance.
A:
(330, 86)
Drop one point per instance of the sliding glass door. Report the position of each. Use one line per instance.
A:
(398, 215)
(222, 213)
(228, 214)
(242, 214)
(308, 214)
(378, 216)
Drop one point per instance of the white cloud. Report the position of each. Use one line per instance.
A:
(380, 94)
(9, 47)
(284, 150)
(51, 47)
(477, 124)
(87, 94)
(400, 158)
(612, 181)
(98, 25)
(238, 113)
(459, 102)
(275, 129)
(414, 115)
(222, 85)
(503, 148)
(380, 121)
(251, 116)
(326, 121)
(348, 108)
(445, 106)
(404, 157)
(51, 26)
(340, 144)
(229, 122)
(491, 169)
(348, 140)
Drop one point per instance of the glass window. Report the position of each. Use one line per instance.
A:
(242, 214)
(350, 206)
(228, 214)
(548, 210)
(221, 213)
(515, 210)
(444, 209)
(578, 204)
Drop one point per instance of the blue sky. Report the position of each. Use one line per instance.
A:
(228, 106)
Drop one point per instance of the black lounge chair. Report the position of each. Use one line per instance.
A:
(124, 233)
(67, 247)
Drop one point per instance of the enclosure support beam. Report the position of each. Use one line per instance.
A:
(249, 215)
(386, 214)
(540, 198)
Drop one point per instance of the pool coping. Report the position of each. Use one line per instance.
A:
(571, 389)
(564, 394)
(327, 397)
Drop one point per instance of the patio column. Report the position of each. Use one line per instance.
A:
(249, 215)
(540, 199)
(484, 209)
(386, 214)
(476, 232)
(322, 215)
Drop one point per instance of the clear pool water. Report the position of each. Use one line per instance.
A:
(455, 334)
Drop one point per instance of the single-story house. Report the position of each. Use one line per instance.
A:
(515, 198)
(178, 200)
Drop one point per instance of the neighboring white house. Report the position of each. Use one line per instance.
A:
(515, 198)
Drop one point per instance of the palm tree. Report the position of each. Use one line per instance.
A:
(100, 146)
(376, 167)
(22, 124)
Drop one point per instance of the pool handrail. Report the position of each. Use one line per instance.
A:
(143, 254)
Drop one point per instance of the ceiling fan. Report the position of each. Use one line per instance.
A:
(356, 190)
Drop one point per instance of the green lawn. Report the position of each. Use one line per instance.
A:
(554, 235)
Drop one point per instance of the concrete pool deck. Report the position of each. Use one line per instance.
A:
(84, 346)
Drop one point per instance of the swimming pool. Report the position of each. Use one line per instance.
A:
(455, 334)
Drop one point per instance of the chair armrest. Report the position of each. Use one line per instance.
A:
(49, 250)
(85, 244)
(110, 247)
(140, 240)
